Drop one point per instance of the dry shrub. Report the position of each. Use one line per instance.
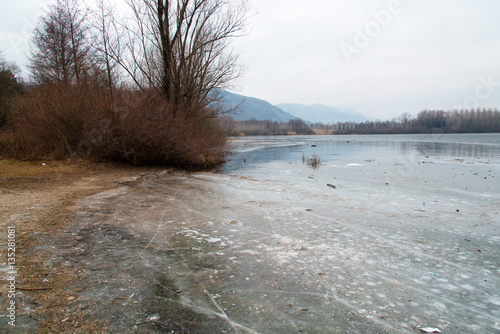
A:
(138, 128)
(50, 125)
(314, 162)
(147, 130)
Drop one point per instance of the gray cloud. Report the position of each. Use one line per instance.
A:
(426, 54)
(429, 55)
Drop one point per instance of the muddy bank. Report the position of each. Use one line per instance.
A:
(38, 199)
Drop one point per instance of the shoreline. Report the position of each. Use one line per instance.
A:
(134, 250)
(39, 199)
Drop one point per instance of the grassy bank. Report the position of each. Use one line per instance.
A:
(14, 169)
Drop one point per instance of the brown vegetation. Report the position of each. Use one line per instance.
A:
(140, 129)
(141, 92)
(314, 162)
(265, 128)
(10, 90)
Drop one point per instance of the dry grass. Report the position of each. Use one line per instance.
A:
(322, 132)
(12, 169)
(314, 162)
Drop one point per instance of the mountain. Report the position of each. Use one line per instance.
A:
(322, 113)
(247, 108)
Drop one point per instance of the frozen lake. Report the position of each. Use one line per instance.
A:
(408, 238)
(388, 235)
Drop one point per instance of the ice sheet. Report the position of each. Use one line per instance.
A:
(408, 239)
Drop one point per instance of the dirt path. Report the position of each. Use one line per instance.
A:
(38, 199)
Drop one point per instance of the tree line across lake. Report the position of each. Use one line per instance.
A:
(427, 121)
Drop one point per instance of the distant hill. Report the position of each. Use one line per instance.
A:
(248, 108)
(322, 113)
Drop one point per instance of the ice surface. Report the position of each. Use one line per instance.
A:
(409, 238)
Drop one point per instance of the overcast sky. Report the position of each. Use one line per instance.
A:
(380, 57)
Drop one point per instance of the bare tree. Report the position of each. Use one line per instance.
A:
(404, 119)
(107, 39)
(181, 48)
(60, 52)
